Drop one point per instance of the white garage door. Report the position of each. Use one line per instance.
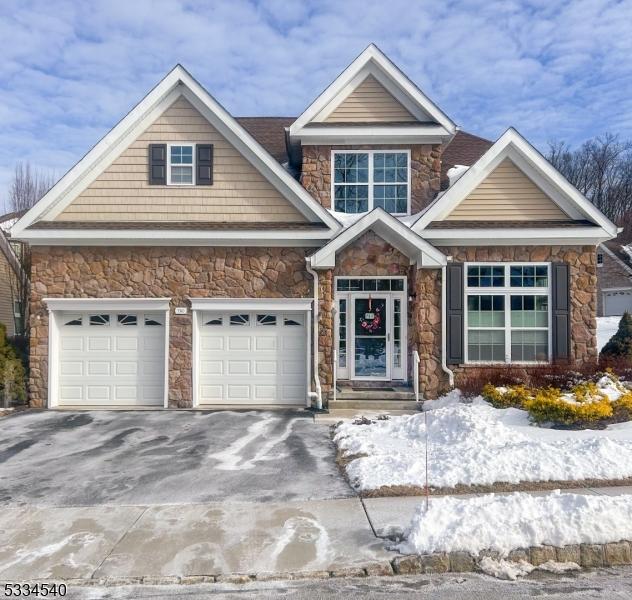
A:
(252, 358)
(111, 358)
(617, 302)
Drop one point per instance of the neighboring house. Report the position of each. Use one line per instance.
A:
(614, 276)
(12, 277)
(176, 263)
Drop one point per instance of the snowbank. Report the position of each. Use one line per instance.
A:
(477, 444)
(606, 328)
(519, 520)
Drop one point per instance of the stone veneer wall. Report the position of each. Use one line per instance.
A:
(583, 284)
(118, 272)
(425, 169)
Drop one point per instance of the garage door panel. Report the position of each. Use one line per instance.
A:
(240, 342)
(120, 362)
(238, 367)
(265, 367)
(212, 343)
(122, 368)
(256, 361)
(266, 343)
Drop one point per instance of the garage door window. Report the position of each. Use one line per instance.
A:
(99, 319)
(266, 320)
(239, 319)
(153, 321)
(128, 320)
(214, 322)
(74, 320)
(293, 322)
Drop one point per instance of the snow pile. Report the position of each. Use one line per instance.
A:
(606, 328)
(456, 172)
(518, 520)
(474, 444)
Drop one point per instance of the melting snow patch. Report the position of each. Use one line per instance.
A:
(505, 569)
(519, 520)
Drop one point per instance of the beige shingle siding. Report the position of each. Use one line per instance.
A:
(239, 192)
(507, 194)
(6, 297)
(369, 102)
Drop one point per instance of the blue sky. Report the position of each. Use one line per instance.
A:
(71, 70)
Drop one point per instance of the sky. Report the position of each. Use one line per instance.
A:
(69, 70)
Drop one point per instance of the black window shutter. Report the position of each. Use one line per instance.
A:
(454, 313)
(561, 311)
(204, 175)
(158, 164)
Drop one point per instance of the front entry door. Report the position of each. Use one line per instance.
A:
(371, 329)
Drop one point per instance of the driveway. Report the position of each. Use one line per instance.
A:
(165, 457)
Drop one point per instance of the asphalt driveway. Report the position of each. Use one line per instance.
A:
(173, 457)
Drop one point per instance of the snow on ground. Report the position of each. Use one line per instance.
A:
(518, 520)
(474, 443)
(606, 328)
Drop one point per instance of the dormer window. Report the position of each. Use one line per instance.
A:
(364, 180)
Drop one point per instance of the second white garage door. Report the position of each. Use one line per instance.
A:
(617, 302)
(252, 358)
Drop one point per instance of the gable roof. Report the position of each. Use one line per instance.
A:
(515, 147)
(391, 230)
(269, 132)
(178, 82)
(430, 119)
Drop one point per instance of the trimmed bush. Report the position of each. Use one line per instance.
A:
(549, 407)
(513, 396)
(620, 344)
(12, 372)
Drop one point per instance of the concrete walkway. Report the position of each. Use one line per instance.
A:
(186, 540)
(216, 541)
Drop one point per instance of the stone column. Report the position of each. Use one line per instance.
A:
(326, 329)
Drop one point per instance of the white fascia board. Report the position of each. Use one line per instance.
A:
(517, 237)
(512, 145)
(177, 82)
(375, 62)
(409, 134)
(390, 229)
(156, 304)
(154, 237)
(267, 304)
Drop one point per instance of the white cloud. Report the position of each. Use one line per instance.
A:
(71, 70)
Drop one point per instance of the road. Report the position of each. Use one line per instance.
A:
(613, 584)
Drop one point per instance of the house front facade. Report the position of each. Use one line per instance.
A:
(192, 259)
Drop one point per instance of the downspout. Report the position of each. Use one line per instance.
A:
(444, 329)
(317, 395)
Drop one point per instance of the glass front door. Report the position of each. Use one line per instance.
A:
(371, 333)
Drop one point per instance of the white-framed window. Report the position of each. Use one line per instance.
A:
(507, 312)
(180, 164)
(365, 179)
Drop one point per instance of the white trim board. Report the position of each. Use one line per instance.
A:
(391, 230)
(235, 304)
(107, 303)
(372, 61)
(515, 147)
(178, 82)
(175, 237)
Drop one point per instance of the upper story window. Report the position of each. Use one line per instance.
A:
(364, 180)
(600, 259)
(181, 164)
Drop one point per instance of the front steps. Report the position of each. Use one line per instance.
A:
(374, 399)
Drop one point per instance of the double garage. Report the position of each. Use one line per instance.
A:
(115, 352)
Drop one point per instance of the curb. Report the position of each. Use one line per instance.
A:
(587, 556)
